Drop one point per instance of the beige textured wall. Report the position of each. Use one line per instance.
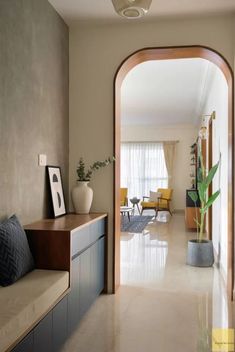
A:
(33, 104)
(96, 51)
(217, 100)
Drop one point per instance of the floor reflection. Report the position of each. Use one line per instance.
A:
(143, 259)
(156, 259)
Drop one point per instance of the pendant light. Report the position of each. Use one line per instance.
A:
(131, 8)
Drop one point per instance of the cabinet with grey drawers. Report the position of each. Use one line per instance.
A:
(85, 240)
(87, 272)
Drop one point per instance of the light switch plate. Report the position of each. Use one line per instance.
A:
(42, 159)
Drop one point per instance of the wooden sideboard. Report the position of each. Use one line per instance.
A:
(75, 243)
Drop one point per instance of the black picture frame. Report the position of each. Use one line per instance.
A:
(56, 190)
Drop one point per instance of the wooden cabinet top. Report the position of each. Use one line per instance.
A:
(67, 222)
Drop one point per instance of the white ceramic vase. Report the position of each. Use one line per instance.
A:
(82, 196)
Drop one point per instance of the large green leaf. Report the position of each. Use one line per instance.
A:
(202, 191)
(202, 167)
(211, 174)
(199, 175)
(193, 195)
(211, 200)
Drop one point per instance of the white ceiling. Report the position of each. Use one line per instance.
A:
(72, 10)
(168, 92)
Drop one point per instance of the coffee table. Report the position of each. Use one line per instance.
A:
(126, 211)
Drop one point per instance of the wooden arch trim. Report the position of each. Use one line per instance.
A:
(167, 53)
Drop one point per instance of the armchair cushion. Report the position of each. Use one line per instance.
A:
(154, 196)
(149, 204)
(166, 197)
(123, 196)
(166, 193)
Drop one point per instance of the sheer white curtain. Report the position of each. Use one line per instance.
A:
(169, 152)
(143, 168)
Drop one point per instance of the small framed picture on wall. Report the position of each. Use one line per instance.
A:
(57, 193)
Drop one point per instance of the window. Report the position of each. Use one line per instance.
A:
(143, 168)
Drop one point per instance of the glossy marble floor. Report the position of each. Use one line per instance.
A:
(163, 305)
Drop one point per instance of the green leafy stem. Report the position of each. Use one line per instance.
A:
(85, 174)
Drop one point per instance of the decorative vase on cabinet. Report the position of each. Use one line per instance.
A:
(82, 196)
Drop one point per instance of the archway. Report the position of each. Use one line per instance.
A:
(167, 53)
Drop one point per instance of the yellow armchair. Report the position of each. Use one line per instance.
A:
(123, 197)
(161, 203)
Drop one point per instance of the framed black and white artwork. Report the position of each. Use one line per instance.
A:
(57, 194)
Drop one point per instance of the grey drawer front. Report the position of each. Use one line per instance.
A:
(60, 324)
(80, 240)
(73, 297)
(26, 345)
(43, 335)
(97, 230)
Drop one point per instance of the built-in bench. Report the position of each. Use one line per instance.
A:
(41, 310)
(24, 303)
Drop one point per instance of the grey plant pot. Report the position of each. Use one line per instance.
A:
(200, 253)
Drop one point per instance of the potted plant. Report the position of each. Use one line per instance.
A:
(82, 194)
(200, 250)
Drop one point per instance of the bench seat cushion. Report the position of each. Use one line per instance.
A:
(27, 300)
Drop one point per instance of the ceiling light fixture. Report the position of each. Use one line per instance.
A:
(131, 8)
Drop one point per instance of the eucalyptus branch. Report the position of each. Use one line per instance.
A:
(85, 174)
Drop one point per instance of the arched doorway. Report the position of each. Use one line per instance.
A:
(167, 53)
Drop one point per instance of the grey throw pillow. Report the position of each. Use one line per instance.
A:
(15, 257)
